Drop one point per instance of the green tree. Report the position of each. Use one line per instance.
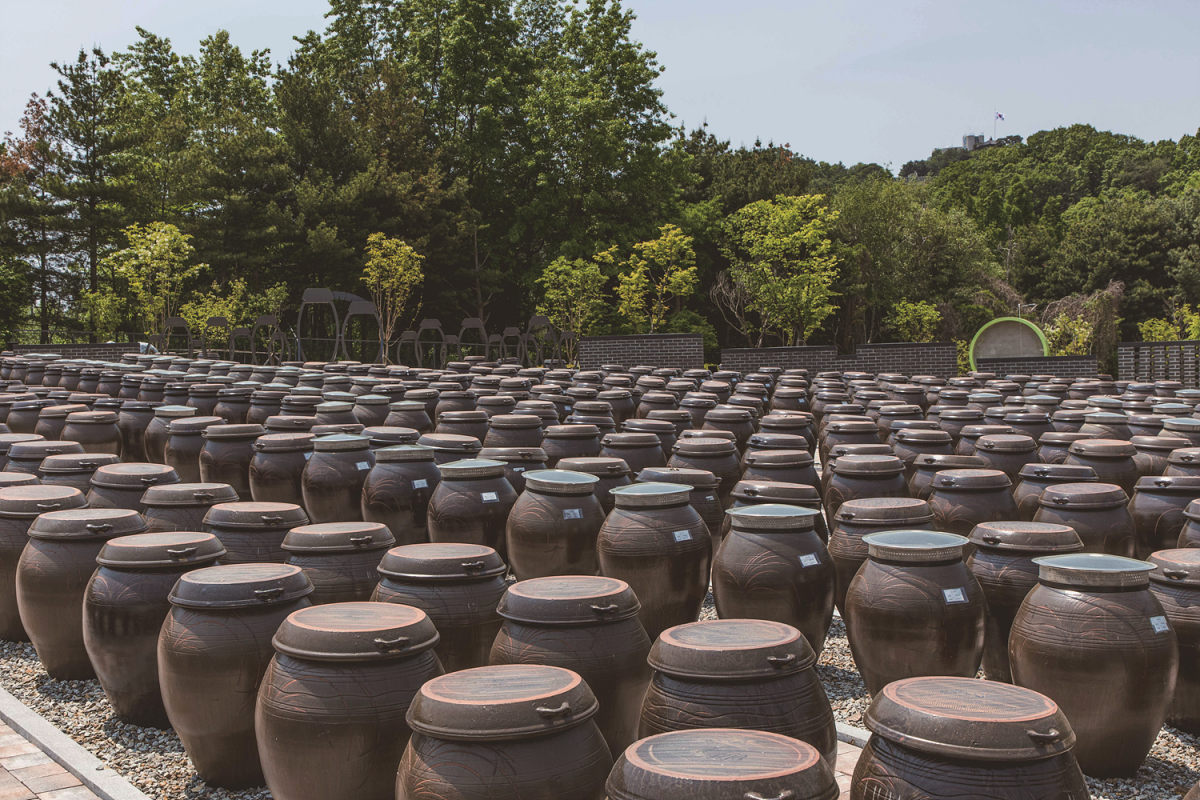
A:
(392, 273)
(661, 271)
(915, 322)
(154, 267)
(574, 291)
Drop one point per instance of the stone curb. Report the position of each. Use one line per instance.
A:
(852, 735)
(93, 773)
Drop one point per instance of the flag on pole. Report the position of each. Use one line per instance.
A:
(999, 116)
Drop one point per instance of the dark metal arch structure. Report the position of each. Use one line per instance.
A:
(473, 324)
(317, 298)
(175, 324)
(363, 308)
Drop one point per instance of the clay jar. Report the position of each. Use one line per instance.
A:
(1153, 452)
(1116, 689)
(1175, 583)
(52, 578)
(1003, 565)
(1157, 506)
(925, 467)
(784, 466)
(213, 649)
(1007, 453)
(858, 477)
(738, 421)
(96, 431)
(662, 428)
(755, 764)
(73, 469)
(253, 532)
(517, 461)
(184, 444)
(1053, 447)
(610, 473)
(752, 493)
(913, 444)
(123, 485)
(970, 434)
(914, 609)
(182, 506)
(51, 420)
(1097, 512)
(963, 498)
(514, 430)
(7, 440)
(471, 504)
(941, 737)
(570, 441)
(227, 454)
(1179, 462)
(464, 423)
(858, 518)
(773, 566)
(124, 606)
(657, 543)
(458, 586)
(330, 713)
(702, 495)
(158, 430)
(589, 625)
(638, 450)
(718, 456)
(398, 489)
(332, 482)
(409, 414)
(741, 674)
(339, 558)
(538, 739)
(1112, 460)
(1036, 477)
(553, 525)
(848, 431)
(276, 470)
(27, 456)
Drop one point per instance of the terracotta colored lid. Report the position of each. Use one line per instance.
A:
(971, 480)
(569, 600)
(868, 465)
(1176, 567)
(338, 537)
(1083, 495)
(87, 523)
(1006, 443)
(513, 701)
(1026, 537)
(694, 478)
(650, 495)
(773, 517)
(602, 466)
(76, 463)
(256, 516)
(11, 479)
(132, 476)
(970, 719)
(356, 632)
(189, 495)
(903, 511)
(441, 562)
(1059, 473)
(731, 649)
(1091, 570)
(241, 586)
(156, 550)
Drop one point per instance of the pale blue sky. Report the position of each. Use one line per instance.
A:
(876, 80)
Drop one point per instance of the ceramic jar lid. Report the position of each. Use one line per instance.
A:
(1169, 484)
(251, 431)
(11, 479)
(1091, 570)
(338, 537)
(655, 427)
(923, 437)
(131, 476)
(463, 416)
(900, 511)
(779, 458)
(771, 492)
(441, 562)
(404, 453)
(86, 523)
(915, 547)
(157, 550)
(513, 701)
(708, 443)
(1083, 495)
(560, 482)
(632, 439)
(773, 517)
(192, 425)
(868, 465)
(528, 455)
(776, 441)
(1026, 537)
(241, 586)
(971, 480)
(283, 442)
(514, 421)
(77, 462)
(569, 600)
(865, 426)
(572, 432)
(1103, 448)
(1072, 473)
(25, 502)
(472, 468)
(1185, 457)
(650, 495)
(970, 719)
(285, 422)
(694, 478)
(387, 435)
(356, 632)
(1176, 567)
(1006, 443)
(956, 413)
(256, 516)
(32, 449)
(7, 440)
(979, 431)
(601, 466)
(731, 649)
(340, 443)
(189, 495)
(949, 461)
(1164, 444)
(58, 412)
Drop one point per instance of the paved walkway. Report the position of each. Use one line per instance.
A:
(847, 758)
(27, 773)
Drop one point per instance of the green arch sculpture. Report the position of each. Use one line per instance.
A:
(1041, 338)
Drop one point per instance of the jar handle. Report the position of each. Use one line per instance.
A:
(1175, 574)
(614, 468)
(751, 492)
(1048, 737)
(472, 566)
(991, 538)
(360, 540)
(1162, 481)
(608, 609)
(1061, 501)
(781, 661)
(550, 713)
(947, 481)
(149, 481)
(89, 464)
(269, 594)
(202, 495)
(182, 552)
(103, 528)
(1187, 457)
(272, 519)
(786, 794)
(1041, 472)
(50, 507)
(389, 645)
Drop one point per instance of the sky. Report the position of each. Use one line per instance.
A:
(873, 80)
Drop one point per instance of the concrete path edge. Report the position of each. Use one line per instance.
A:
(92, 772)
(851, 735)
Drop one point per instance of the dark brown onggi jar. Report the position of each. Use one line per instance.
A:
(7, 440)
(27, 456)
(1116, 689)
(1157, 506)
(471, 504)
(1053, 448)
(448, 447)
(214, 647)
(782, 466)
(253, 532)
(123, 485)
(276, 470)
(96, 431)
(958, 737)
(132, 422)
(570, 441)
(332, 482)
(1035, 478)
(914, 609)
(847, 431)
(610, 473)
(970, 434)
(657, 543)
(517, 461)
(718, 456)
(963, 498)
(1003, 564)
(1112, 460)
(861, 477)
(752, 493)
(538, 738)
(184, 444)
(227, 454)
(330, 713)
(926, 467)
(182, 506)
(1189, 536)
(638, 450)
(74, 469)
(1179, 462)
(409, 414)
(738, 421)
(587, 624)
(463, 423)
(124, 606)
(52, 578)
(772, 565)
(458, 586)
(339, 558)
(398, 489)
(1152, 453)
(1175, 583)
(553, 526)
(51, 421)
(1007, 452)
(664, 429)
(158, 430)
(702, 494)
(1096, 511)
(741, 674)
(514, 430)
(858, 518)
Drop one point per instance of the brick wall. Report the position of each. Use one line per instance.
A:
(1160, 361)
(935, 358)
(682, 350)
(1059, 366)
(104, 351)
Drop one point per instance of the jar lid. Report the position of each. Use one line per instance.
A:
(942, 461)
(1026, 537)
(864, 427)
(632, 439)
(286, 422)
(868, 465)
(970, 719)
(189, 495)
(773, 517)
(1176, 567)
(283, 442)
(450, 443)
(1169, 484)
(650, 495)
(915, 547)
(520, 455)
(1163, 444)
(86, 523)
(251, 431)
(1006, 443)
(7, 440)
(463, 416)
(731, 649)
(58, 412)
(561, 482)
(404, 453)
(1187, 455)
(441, 562)
(189, 425)
(655, 427)
(512, 701)
(154, 550)
(693, 478)
(515, 421)
(137, 475)
(1060, 473)
(572, 432)
(923, 437)
(11, 479)
(885, 510)
(37, 449)
(25, 502)
(338, 537)
(356, 632)
(1086, 570)
(602, 466)
(569, 600)
(960, 413)
(204, 389)
(383, 435)
(900, 410)
(74, 463)
(776, 441)
(978, 431)
(725, 414)
(371, 400)
(1059, 437)
(256, 516)
(971, 479)
(1083, 495)
(779, 458)
(1186, 424)
(340, 443)
(174, 412)
(472, 468)
(241, 586)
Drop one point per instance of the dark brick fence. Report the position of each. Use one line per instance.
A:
(682, 350)
(1160, 361)
(103, 351)
(1059, 366)
(939, 359)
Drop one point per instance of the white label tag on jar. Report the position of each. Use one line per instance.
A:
(954, 596)
(809, 560)
(490, 497)
(710, 497)
(420, 484)
(1159, 624)
(683, 536)
(568, 409)
(572, 513)
(363, 465)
